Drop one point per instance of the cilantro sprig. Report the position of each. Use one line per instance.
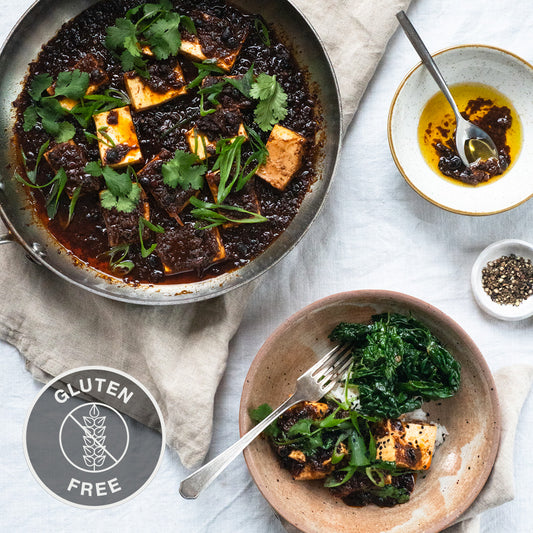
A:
(93, 104)
(121, 193)
(183, 170)
(272, 105)
(149, 25)
(47, 110)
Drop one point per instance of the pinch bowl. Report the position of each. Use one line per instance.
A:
(491, 252)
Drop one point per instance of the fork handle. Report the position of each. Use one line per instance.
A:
(194, 484)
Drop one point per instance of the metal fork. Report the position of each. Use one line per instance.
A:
(311, 386)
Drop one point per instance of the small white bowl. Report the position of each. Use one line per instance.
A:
(494, 251)
(486, 65)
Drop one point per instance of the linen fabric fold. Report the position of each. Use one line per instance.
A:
(179, 353)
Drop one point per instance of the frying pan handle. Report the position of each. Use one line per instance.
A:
(7, 238)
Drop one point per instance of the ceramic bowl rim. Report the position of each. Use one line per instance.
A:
(390, 135)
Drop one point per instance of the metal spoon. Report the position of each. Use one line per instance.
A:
(472, 142)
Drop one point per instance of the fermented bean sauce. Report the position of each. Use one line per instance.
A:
(219, 28)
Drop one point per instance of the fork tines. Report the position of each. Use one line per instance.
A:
(332, 366)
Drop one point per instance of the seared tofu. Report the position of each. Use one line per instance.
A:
(200, 144)
(217, 39)
(408, 444)
(313, 471)
(144, 94)
(123, 228)
(170, 199)
(246, 198)
(285, 152)
(117, 139)
(98, 77)
(187, 249)
(72, 159)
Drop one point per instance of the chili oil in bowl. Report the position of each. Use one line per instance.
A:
(502, 279)
(494, 89)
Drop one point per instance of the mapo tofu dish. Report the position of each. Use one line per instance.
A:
(166, 142)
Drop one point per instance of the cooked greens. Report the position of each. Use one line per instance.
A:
(398, 364)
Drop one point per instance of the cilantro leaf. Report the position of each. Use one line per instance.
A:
(65, 132)
(119, 184)
(72, 84)
(272, 106)
(155, 26)
(30, 118)
(259, 414)
(122, 35)
(40, 83)
(243, 84)
(120, 192)
(125, 204)
(182, 170)
(164, 37)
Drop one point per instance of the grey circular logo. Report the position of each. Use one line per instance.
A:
(83, 442)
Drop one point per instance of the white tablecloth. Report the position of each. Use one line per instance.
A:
(374, 232)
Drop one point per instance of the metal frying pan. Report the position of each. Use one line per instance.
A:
(37, 26)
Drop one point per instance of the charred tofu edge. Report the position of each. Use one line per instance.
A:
(121, 133)
(142, 97)
(285, 152)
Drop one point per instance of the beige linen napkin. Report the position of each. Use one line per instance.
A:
(513, 384)
(178, 352)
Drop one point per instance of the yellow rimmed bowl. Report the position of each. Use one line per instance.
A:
(503, 71)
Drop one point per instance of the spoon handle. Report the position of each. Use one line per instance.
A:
(426, 58)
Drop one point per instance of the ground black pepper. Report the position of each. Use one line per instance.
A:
(508, 280)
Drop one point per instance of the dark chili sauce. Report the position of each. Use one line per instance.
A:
(164, 127)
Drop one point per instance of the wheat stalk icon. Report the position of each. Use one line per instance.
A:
(94, 452)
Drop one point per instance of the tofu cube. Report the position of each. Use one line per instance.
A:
(200, 145)
(408, 444)
(143, 97)
(72, 159)
(117, 139)
(285, 152)
(172, 200)
(123, 228)
(186, 249)
(213, 29)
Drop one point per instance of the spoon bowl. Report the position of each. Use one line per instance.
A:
(473, 144)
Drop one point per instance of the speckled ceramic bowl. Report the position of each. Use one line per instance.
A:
(494, 251)
(460, 466)
(505, 72)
